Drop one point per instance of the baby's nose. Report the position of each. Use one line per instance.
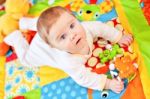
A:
(73, 36)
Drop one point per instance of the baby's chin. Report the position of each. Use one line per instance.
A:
(85, 50)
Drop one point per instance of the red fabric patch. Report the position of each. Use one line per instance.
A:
(19, 97)
(146, 10)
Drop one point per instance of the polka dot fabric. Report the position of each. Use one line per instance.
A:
(64, 89)
(68, 89)
(20, 79)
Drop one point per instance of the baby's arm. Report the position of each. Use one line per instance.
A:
(29, 55)
(99, 29)
(86, 78)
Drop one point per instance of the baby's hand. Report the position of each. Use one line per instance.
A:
(126, 40)
(114, 85)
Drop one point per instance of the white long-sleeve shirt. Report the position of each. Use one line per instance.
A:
(38, 53)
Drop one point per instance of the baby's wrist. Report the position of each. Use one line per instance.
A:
(107, 85)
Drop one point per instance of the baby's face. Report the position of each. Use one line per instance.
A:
(67, 34)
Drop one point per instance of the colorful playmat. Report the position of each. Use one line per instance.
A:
(128, 16)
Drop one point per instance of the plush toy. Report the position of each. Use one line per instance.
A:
(126, 67)
(84, 11)
(15, 9)
(110, 53)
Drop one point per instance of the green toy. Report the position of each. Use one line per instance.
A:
(110, 53)
(88, 12)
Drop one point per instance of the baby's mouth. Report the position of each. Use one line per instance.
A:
(78, 41)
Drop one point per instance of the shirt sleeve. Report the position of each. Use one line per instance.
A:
(83, 76)
(99, 29)
(35, 54)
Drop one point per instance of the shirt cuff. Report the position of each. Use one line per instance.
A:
(13, 38)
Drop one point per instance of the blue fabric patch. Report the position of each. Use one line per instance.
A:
(68, 89)
(108, 16)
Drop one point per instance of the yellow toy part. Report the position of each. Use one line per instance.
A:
(77, 4)
(106, 6)
(7, 25)
(15, 9)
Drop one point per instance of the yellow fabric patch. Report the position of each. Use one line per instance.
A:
(20, 79)
(2, 76)
(48, 74)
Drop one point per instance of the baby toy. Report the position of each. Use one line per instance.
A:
(126, 67)
(15, 9)
(84, 11)
(109, 53)
(114, 73)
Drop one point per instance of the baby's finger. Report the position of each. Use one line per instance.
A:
(124, 44)
(118, 91)
(120, 87)
(130, 40)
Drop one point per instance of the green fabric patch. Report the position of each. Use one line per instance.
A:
(140, 28)
(34, 94)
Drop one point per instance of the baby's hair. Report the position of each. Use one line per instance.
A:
(47, 19)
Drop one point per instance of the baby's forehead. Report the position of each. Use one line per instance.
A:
(61, 24)
(63, 21)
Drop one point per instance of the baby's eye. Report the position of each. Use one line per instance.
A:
(63, 36)
(72, 26)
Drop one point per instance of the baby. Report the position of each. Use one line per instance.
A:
(65, 43)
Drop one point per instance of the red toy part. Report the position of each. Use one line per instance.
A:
(93, 1)
(3, 48)
(19, 97)
(102, 70)
(29, 35)
(146, 10)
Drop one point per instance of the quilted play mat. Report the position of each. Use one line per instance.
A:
(129, 16)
